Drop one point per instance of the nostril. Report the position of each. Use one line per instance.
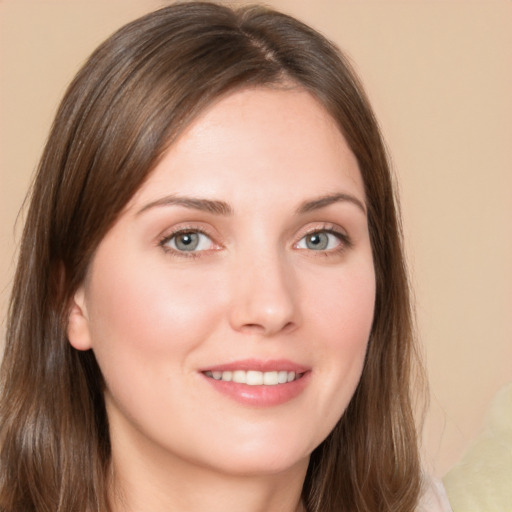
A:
(288, 327)
(254, 328)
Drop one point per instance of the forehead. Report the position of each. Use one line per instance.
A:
(266, 143)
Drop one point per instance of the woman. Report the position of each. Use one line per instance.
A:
(211, 308)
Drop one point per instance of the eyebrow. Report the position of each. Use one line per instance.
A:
(205, 205)
(327, 200)
(222, 208)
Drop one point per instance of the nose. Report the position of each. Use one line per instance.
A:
(265, 298)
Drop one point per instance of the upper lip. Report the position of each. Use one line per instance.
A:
(270, 365)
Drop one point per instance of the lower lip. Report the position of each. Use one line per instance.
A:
(261, 396)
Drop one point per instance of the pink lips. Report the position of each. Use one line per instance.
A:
(274, 365)
(260, 395)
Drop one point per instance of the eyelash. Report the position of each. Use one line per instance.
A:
(344, 239)
(183, 231)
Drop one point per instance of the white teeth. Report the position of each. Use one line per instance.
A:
(255, 378)
(270, 378)
(282, 377)
(239, 376)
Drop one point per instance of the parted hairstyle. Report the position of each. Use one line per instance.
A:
(128, 103)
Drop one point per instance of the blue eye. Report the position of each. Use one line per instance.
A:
(188, 241)
(320, 241)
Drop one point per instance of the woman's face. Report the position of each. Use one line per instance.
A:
(230, 305)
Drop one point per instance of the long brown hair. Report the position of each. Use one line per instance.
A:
(126, 105)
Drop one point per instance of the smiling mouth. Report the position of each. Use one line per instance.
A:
(255, 377)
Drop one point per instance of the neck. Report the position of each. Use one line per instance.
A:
(200, 489)
(151, 481)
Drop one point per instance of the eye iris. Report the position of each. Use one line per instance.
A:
(187, 241)
(317, 241)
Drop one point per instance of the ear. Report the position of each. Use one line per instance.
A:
(78, 331)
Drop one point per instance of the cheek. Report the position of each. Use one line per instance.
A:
(344, 308)
(146, 324)
(344, 316)
(147, 311)
(356, 304)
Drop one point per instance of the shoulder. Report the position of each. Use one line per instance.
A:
(434, 498)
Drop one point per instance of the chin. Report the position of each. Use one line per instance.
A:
(267, 455)
(262, 464)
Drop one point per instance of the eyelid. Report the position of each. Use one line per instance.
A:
(340, 233)
(345, 240)
(187, 228)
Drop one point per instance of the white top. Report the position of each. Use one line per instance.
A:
(434, 498)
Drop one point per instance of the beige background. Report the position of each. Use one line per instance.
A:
(439, 76)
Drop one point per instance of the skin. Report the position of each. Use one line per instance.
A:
(255, 287)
